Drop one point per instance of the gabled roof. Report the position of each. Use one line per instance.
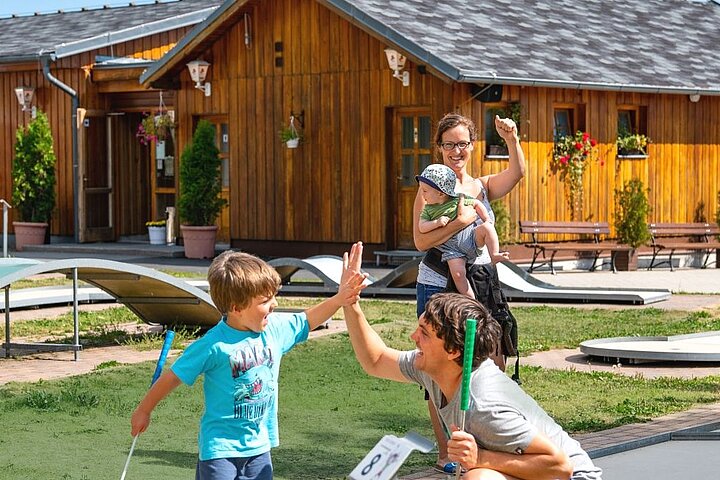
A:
(632, 45)
(24, 38)
(199, 39)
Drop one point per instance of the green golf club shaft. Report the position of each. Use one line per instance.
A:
(470, 326)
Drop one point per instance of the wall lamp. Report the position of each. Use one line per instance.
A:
(198, 72)
(25, 97)
(397, 63)
(695, 97)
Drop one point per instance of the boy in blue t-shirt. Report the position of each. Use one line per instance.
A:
(240, 358)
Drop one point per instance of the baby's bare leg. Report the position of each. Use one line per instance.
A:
(457, 271)
(485, 235)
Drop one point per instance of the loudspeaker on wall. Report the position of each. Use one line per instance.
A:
(487, 93)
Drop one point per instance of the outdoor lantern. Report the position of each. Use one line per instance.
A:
(198, 72)
(396, 61)
(25, 96)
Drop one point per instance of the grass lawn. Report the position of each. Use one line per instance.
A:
(331, 413)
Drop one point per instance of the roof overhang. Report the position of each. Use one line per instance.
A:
(422, 56)
(393, 38)
(197, 41)
(132, 33)
(491, 78)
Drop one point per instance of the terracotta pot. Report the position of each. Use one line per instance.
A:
(199, 241)
(626, 261)
(29, 233)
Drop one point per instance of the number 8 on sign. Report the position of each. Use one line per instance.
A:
(372, 463)
(383, 461)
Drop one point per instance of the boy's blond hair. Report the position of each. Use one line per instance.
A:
(235, 278)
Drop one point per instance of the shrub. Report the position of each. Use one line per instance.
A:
(631, 213)
(199, 203)
(502, 222)
(33, 171)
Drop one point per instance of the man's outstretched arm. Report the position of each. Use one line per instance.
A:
(376, 358)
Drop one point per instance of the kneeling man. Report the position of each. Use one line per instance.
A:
(507, 434)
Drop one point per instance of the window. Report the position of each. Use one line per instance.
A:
(563, 125)
(626, 122)
(568, 119)
(632, 131)
(494, 144)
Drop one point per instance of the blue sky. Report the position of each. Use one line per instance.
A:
(8, 7)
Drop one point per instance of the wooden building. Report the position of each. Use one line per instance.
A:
(84, 68)
(650, 65)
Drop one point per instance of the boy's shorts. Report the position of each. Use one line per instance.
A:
(258, 467)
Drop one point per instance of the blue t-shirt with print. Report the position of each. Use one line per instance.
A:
(241, 371)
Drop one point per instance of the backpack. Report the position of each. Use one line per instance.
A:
(485, 283)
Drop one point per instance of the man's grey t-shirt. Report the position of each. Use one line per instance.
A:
(501, 416)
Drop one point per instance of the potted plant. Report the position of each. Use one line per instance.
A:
(156, 128)
(570, 157)
(631, 217)
(156, 231)
(632, 145)
(33, 174)
(290, 136)
(199, 202)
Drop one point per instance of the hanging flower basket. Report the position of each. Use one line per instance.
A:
(156, 128)
(570, 159)
(290, 134)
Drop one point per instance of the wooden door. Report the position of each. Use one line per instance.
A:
(412, 152)
(95, 189)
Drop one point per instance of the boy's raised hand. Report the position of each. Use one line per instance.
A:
(352, 280)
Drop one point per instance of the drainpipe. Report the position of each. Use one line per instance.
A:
(73, 125)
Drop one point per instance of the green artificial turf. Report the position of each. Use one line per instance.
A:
(331, 413)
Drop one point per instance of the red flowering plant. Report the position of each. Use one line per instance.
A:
(570, 159)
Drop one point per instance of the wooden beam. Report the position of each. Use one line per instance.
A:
(116, 86)
(110, 74)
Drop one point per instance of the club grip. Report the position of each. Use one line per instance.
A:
(169, 336)
(470, 325)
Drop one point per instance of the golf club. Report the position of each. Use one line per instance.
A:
(169, 336)
(470, 325)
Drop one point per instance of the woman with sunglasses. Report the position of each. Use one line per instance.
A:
(455, 138)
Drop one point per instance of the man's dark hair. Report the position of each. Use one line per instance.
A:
(447, 312)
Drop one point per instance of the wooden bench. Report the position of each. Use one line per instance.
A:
(686, 237)
(589, 240)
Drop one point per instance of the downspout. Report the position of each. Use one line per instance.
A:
(73, 125)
